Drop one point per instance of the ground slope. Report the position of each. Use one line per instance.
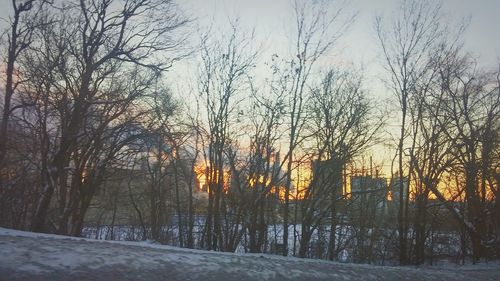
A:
(29, 256)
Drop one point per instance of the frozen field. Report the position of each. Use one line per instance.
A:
(30, 256)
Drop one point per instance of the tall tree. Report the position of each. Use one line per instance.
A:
(226, 65)
(23, 24)
(127, 38)
(262, 164)
(472, 107)
(318, 27)
(405, 45)
(343, 124)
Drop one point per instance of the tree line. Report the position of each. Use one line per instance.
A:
(85, 99)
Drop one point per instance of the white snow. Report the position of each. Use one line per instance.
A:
(34, 256)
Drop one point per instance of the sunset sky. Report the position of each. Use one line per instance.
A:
(359, 48)
(272, 22)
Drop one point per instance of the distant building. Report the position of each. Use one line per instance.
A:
(130, 193)
(328, 175)
(369, 187)
(366, 210)
(395, 187)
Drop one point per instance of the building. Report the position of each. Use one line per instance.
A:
(368, 185)
(370, 193)
(395, 188)
(327, 174)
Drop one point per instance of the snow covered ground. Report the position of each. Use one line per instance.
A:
(33, 256)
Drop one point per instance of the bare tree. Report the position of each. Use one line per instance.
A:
(160, 157)
(263, 178)
(318, 27)
(23, 24)
(472, 106)
(406, 44)
(430, 153)
(226, 64)
(114, 41)
(343, 124)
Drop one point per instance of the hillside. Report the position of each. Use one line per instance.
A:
(30, 256)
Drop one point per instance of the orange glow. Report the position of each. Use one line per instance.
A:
(200, 170)
(254, 181)
(301, 178)
(202, 174)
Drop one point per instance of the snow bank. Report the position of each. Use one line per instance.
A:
(33, 256)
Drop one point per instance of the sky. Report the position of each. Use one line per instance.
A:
(271, 19)
(358, 48)
(269, 16)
